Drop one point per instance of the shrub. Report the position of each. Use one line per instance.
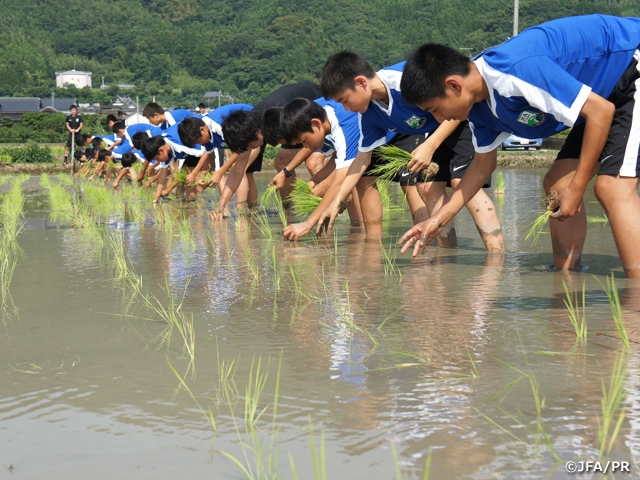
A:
(31, 153)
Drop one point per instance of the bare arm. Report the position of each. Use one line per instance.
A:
(300, 157)
(598, 113)
(354, 174)
(235, 177)
(472, 181)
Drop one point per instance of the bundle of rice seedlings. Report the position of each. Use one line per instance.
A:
(303, 201)
(536, 227)
(499, 189)
(268, 196)
(394, 159)
(180, 177)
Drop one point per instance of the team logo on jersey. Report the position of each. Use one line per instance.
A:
(415, 121)
(223, 145)
(532, 119)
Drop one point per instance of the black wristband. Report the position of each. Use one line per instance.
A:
(287, 173)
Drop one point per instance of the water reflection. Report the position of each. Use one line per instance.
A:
(409, 351)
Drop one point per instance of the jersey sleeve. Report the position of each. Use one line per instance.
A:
(544, 84)
(371, 135)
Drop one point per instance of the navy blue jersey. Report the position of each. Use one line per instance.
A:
(344, 135)
(214, 120)
(397, 117)
(540, 80)
(174, 117)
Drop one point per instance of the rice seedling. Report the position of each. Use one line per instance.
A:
(274, 267)
(500, 185)
(393, 160)
(209, 416)
(65, 179)
(226, 375)
(578, 320)
(303, 201)
(389, 256)
(251, 264)
(296, 279)
(537, 431)
(170, 311)
(185, 234)
(60, 200)
(612, 405)
(261, 220)
(319, 463)
(267, 199)
(616, 310)
(259, 458)
(538, 224)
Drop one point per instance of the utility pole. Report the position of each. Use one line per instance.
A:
(516, 8)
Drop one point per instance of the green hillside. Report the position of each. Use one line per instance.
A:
(177, 49)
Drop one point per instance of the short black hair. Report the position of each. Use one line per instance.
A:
(86, 136)
(202, 105)
(73, 107)
(296, 117)
(340, 70)
(118, 126)
(151, 145)
(138, 138)
(271, 131)
(189, 130)
(78, 154)
(96, 142)
(426, 70)
(112, 118)
(128, 159)
(92, 152)
(151, 109)
(102, 156)
(239, 129)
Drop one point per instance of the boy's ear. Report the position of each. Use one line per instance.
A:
(454, 83)
(361, 81)
(316, 123)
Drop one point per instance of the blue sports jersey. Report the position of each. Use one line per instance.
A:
(180, 151)
(540, 80)
(131, 130)
(344, 135)
(214, 120)
(397, 117)
(174, 117)
(109, 139)
(124, 147)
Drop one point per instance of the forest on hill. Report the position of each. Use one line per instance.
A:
(178, 49)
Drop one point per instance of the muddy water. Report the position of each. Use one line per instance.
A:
(420, 359)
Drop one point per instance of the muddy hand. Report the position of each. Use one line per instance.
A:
(566, 204)
(420, 236)
(329, 215)
(294, 232)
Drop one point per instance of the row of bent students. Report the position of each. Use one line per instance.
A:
(579, 72)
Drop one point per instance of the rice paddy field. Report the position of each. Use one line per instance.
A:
(146, 342)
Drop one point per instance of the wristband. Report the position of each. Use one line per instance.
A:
(287, 173)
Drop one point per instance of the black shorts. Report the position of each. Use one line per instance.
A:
(190, 161)
(622, 149)
(256, 166)
(78, 140)
(455, 155)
